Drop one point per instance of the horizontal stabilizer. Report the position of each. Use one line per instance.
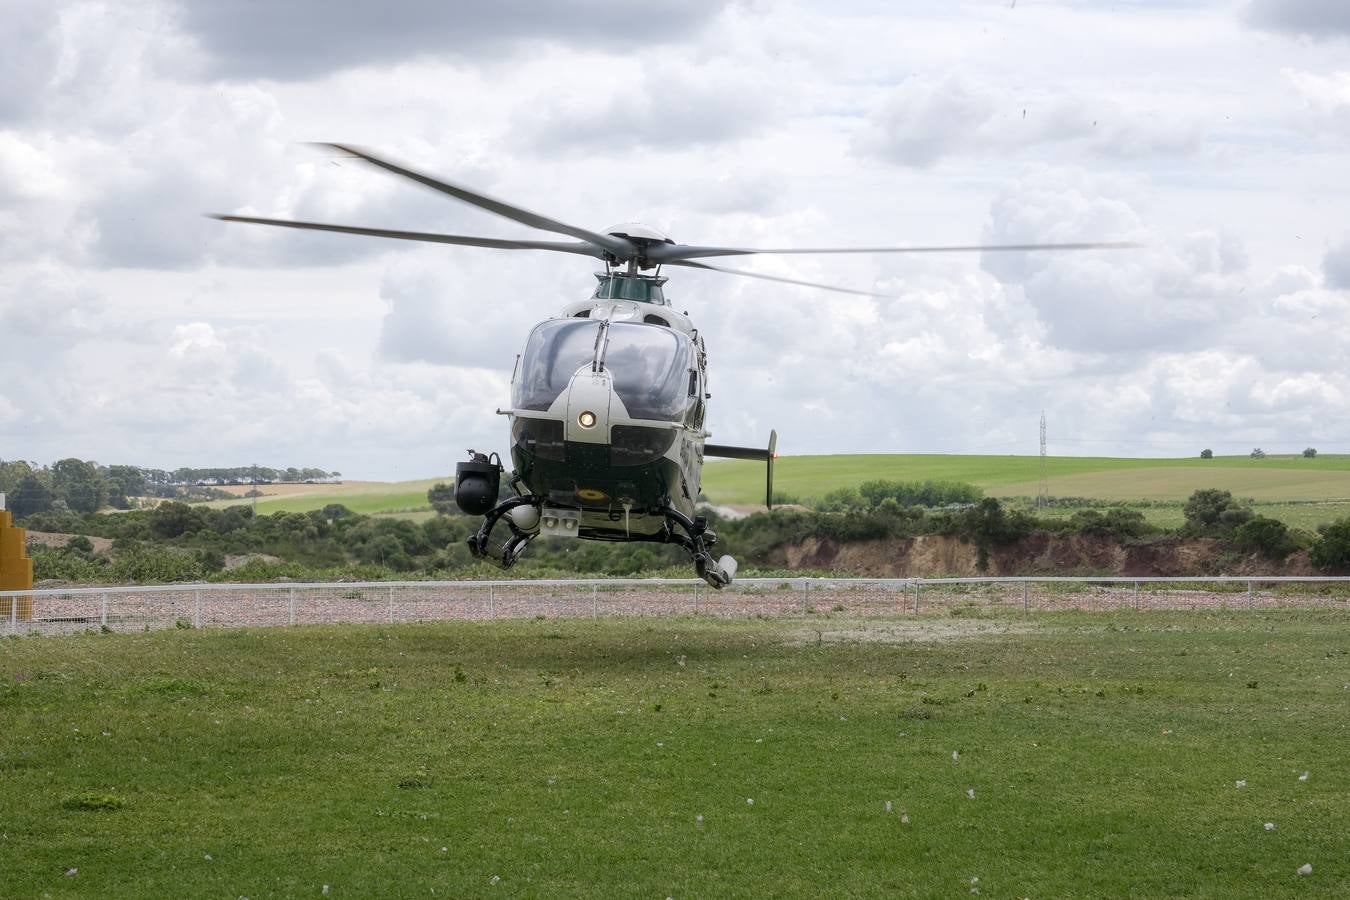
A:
(767, 455)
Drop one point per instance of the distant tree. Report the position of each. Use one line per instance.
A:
(80, 484)
(1206, 453)
(30, 496)
(441, 496)
(1258, 453)
(1309, 453)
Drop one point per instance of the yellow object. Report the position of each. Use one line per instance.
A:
(16, 571)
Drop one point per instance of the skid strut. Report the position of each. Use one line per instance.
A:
(696, 539)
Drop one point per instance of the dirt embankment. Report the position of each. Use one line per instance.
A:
(932, 556)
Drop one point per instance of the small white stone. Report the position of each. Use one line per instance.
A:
(206, 856)
(904, 818)
(699, 818)
(1270, 826)
(445, 849)
(956, 754)
(1305, 869)
(494, 879)
(749, 801)
(970, 792)
(888, 806)
(325, 890)
(1241, 783)
(71, 873)
(660, 743)
(1303, 777)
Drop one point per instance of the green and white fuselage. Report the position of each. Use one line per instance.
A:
(607, 413)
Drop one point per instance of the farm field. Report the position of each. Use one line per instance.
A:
(1064, 754)
(1300, 492)
(367, 497)
(1272, 482)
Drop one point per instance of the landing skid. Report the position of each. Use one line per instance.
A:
(693, 535)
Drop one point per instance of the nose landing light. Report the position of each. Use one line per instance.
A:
(586, 419)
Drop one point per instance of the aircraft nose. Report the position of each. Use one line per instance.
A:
(588, 407)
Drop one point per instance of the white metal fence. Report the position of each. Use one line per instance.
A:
(70, 610)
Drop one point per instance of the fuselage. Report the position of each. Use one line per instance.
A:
(607, 412)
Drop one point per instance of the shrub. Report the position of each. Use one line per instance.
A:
(1332, 552)
(1309, 453)
(1269, 537)
(1206, 453)
(1205, 510)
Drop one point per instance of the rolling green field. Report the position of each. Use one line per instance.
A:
(1281, 486)
(366, 497)
(1064, 754)
(1301, 492)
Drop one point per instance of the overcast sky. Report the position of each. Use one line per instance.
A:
(134, 330)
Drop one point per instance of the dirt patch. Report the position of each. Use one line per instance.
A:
(233, 562)
(917, 631)
(56, 539)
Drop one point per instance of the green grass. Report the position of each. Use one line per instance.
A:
(368, 498)
(1281, 486)
(573, 759)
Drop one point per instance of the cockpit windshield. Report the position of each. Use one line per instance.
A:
(649, 365)
(553, 353)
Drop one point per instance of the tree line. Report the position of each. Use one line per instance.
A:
(85, 486)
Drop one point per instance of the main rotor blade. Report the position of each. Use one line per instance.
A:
(810, 284)
(668, 253)
(615, 245)
(584, 249)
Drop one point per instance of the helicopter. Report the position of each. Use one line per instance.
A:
(608, 411)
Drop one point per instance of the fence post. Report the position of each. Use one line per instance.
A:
(290, 603)
(806, 596)
(14, 614)
(492, 602)
(1136, 596)
(197, 608)
(1024, 596)
(595, 591)
(102, 611)
(391, 604)
(916, 596)
(1251, 596)
(695, 598)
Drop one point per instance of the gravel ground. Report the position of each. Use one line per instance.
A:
(256, 606)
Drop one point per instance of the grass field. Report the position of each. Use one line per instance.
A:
(1300, 492)
(1059, 755)
(1272, 482)
(367, 497)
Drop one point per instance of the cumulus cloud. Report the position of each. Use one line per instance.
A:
(659, 104)
(1312, 18)
(1176, 290)
(308, 38)
(29, 55)
(1326, 94)
(923, 120)
(1336, 266)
